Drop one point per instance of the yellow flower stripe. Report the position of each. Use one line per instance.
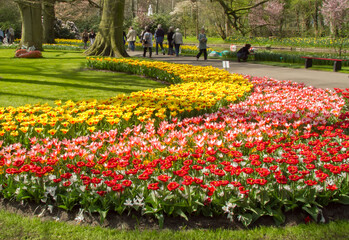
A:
(187, 73)
(67, 41)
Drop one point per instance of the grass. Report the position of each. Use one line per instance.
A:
(298, 66)
(18, 227)
(60, 75)
(211, 40)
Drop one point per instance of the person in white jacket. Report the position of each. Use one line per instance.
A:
(131, 38)
(178, 41)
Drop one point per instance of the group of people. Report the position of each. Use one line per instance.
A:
(7, 36)
(86, 36)
(174, 40)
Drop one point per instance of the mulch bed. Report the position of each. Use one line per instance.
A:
(134, 220)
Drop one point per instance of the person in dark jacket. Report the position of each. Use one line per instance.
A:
(92, 36)
(85, 38)
(243, 53)
(159, 39)
(170, 41)
(202, 44)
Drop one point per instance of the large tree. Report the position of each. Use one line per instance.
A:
(31, 23)
(49, 17)
(109, 40)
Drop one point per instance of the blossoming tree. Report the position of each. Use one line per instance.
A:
(335, 13)
(269, 15)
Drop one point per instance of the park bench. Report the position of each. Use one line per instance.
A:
(336, 66)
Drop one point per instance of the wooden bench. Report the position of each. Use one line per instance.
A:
(336, 66)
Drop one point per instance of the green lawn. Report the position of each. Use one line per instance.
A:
(211, 40)
(14, 226)
(297, 65)
(60, 75)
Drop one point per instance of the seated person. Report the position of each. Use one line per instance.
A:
(243, 53)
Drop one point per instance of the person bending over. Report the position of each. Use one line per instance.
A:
(243, 53)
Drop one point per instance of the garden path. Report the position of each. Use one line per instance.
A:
(316, 78)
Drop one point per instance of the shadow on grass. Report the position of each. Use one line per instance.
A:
(26, 95)
(113, 80)
(81, 86)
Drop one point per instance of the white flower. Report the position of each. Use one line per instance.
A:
(74, 178)
(319, 188)
(52, 177)
(225, 209)
(80, 216)
(51, 191)
(50, 208)
(128, 203)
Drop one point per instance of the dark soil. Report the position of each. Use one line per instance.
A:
(134, 220)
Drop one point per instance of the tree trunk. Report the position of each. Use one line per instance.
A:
(48, 13)
(197, 18)
(31, 24)
(133, 8)
(109, 40)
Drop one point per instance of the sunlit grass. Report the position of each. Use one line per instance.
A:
(60, 75)
(14, 226)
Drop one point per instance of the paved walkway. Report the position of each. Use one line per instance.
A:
(320, 79)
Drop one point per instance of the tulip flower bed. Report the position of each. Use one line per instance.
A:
(283, 147)
(62, 46)
(200, 93)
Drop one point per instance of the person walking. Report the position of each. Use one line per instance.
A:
(170, 41)
(92, 36)
(147, 42)
(243, 53)
(159, 39)
(85, 38)
(178, 41)
(202, 44)
(11, 35)
(131, 38)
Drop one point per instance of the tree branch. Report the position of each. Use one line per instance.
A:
(250, 7)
